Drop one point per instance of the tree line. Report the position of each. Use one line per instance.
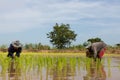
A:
(38, 47)
(61, 38)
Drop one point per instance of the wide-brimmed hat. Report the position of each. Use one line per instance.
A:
(87, 44)
(17, 44)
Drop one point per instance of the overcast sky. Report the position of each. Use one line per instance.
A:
(30, 20)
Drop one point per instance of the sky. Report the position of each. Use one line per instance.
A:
(30, 20)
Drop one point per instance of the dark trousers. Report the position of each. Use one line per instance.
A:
(12, 50)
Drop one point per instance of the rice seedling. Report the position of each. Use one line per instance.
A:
(51, 66)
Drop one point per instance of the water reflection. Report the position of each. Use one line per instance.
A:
(59, 68)
(95, 71)
(13, 70)
(67, 72)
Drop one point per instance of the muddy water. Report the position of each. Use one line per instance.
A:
(63, 69)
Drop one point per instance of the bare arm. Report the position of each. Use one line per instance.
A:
(95, 52)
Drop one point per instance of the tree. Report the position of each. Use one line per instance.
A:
(3, 48)
(92, 40)
(118, 45)
(61, 36)
(37, 46)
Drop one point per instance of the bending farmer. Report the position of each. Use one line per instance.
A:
(95, 50)
(15, 46)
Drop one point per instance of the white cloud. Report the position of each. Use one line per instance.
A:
(24, 14)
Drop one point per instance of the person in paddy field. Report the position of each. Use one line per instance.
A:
(95, 50)
(15, 46)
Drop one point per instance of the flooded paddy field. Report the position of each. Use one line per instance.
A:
(38, 67)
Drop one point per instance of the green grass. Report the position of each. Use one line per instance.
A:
(61, 54)
(54, 62)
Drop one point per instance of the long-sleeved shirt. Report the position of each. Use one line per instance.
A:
(97, 47)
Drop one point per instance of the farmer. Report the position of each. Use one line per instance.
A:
(15, 46)
(95, 50)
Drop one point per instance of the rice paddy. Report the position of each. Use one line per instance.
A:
(58, 66)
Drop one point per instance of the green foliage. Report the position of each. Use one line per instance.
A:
(38, 46)
(92, 40)
(118, 45)
(3, 48)
(77, 47)
(61, 36)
